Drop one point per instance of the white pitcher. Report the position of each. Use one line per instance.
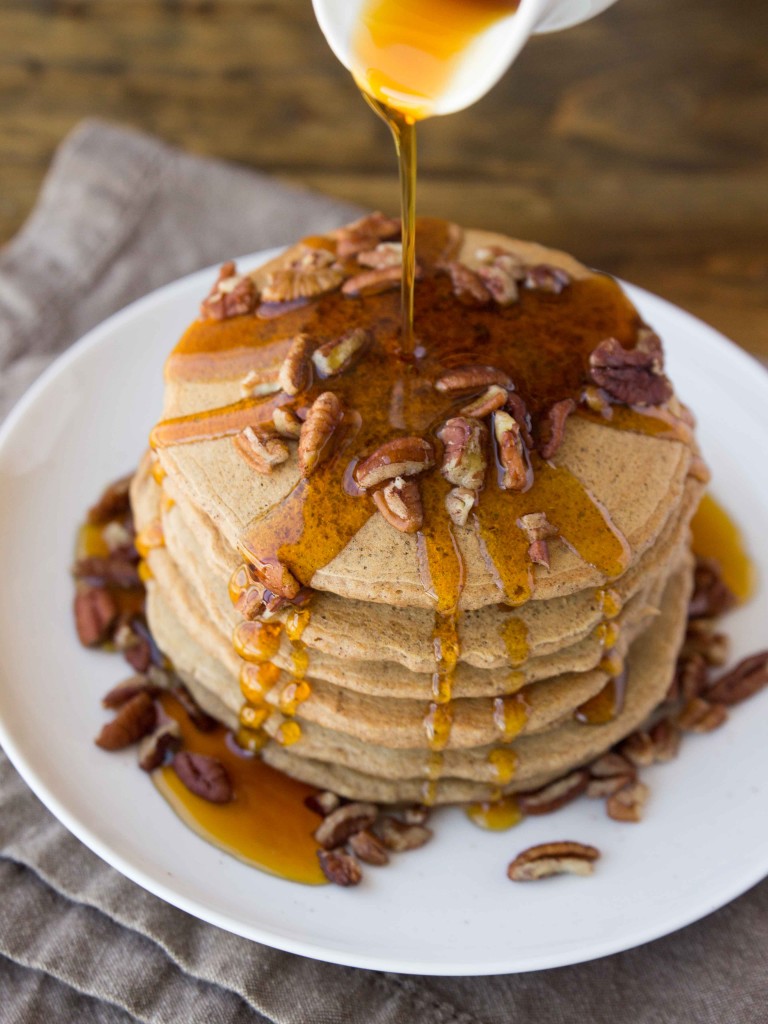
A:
(490, 54)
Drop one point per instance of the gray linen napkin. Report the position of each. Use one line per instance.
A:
(121, 214)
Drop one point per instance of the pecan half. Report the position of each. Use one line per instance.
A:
(555, 794)
(545, 278)
(296, 371)
(233, 294)
(491, 399)
(340, 867)
(744, 681)
(116, 570)
(369, 848)
(519, 412)
(292, 283)
(336, 828)
(255, 384)
(632, 376)
(467, 285)
(113, 503)
(399, 502)
(133, 721)
(711, 597)
(322, 803)
(700, 715)
(512, 454)
(464, 459)
(133, 641)
(470, 378)
(317, 433)
(155, 748)
(336, 356)
(204, 776)
(260, 450)
(399, 836)
(639, 749)
(601, 788)
(402, 456)
(372, 282)
(459, 502)
(548, 859)
(666, 740)
(611, 765)
(127, 690)
(628, 803)
(500, 282)
(555, 429)
(286, 422)
(689, 679)
(386, 254)
(365, 234)
(95, 615)
(702, 638)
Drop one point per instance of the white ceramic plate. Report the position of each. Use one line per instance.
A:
(449, 908)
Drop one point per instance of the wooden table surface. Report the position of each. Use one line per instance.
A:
(638, 141)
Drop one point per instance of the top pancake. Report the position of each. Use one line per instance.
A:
(625, 484)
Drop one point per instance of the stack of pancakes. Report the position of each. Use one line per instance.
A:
(407, 668)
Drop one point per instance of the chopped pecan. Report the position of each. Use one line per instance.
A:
(545, 278)
(742, 682)
(313, 257)
(538, 530)
(365, 234)
(491, 399)
(372, 282)
(134, 645)
(549, 859)
(702, 638)
(251, 602)
(464, 458)
(399, 836)
(556, 419)
(127, 690)
(519, 412)
(293, 283)
(296, 371)
(155, 748)
(95, 615)
(495, 255)
(639, 749)
(199, 718)
(711, 597)
(500, 282)
(115, 570)
(467, 285)
(286, 422)
(340, 867)
(610, 766)
(255, 384)
(402, 456)
(233, 294)
(601, 788)
(538, 553)
(470, 378)
(113, 503)
(459, 502)
(666, 740)
(262, 451)
(597, 400)
(386, 254)
(399, 502)
(280, 581)
(628, 803)
(415, 814)
(369, 848)
(336, 356)
(555, 794)
(317, 432)
(512, 454)
(134, 720)
(204, 776)
(632, 376)
(322, 803)
(336, 828)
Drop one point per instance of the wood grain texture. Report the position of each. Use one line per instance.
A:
(638, 141)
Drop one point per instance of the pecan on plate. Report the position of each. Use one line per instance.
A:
(470, 378)
(95, 615)
(742, 682)
(464, 458)
(336, 828)
(711, 596)
(399, 836)
(369, 848)
(317, 432)
(702, 638)
(322, 803)
(690, 677)
(133, 721)
(116, 570)
(402, 456)
(701, 715)
(639, 749)
(204, 776)
(113, 503)
(399, 502)
(666, 740)
(628, 803)
(155, 749)
(632, 376)
(512, 453)
(233, 294)
(608, 774)
(340, 867)
(295, 374)
(548, 859)
(336, 356)
(555, 794)
(127, 690)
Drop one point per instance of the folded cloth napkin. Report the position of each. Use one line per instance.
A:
(121, 214)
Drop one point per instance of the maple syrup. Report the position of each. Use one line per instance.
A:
(495, 815)
(716, 536)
